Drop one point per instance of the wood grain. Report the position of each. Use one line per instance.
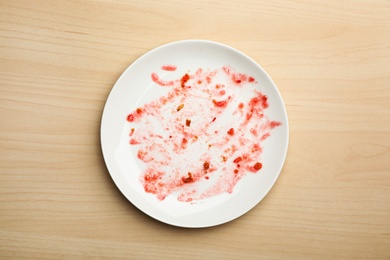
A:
(330, 60)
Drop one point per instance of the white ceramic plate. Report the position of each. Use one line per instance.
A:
(136, 88)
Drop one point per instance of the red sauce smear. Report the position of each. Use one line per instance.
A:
(169, 67)
(161, 82)
(177, 136)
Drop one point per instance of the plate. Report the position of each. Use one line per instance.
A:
(194, 133)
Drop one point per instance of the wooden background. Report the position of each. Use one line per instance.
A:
(330, 60)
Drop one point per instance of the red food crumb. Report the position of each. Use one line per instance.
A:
(131, 132)
(141, 154)
(184, 80)
(238, 78)
(251, 79)
(206, 166)
(257, 166)
(231, 131)
(184, 143)
(150, 188)
(188, 179)
(235, 171)
(180, 107)
(256, 148)
(133, 141)
(130, 118)
(222, 103)
(238, 159)
(188, 122)
(241, 105)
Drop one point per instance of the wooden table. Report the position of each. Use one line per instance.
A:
(330, 60)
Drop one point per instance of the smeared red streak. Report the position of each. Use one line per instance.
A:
(259, 99)
(131, 132)
(161, 82)
(265, 136)
(249, 116)
(255, 107)
(169, 67)
(274, 124)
